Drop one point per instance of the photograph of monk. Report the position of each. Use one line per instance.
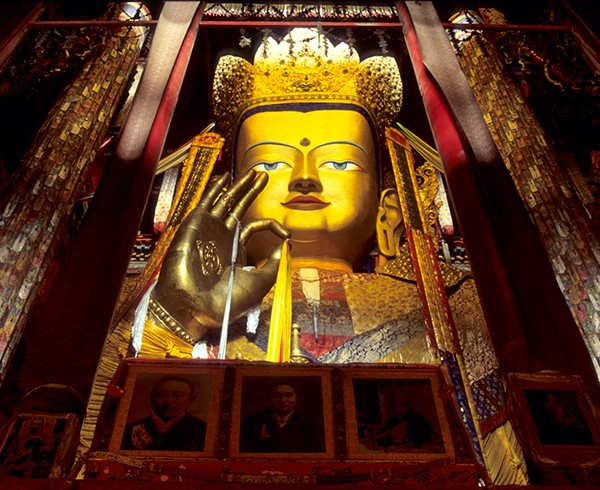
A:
(168, 413)
(396, 416)
(558, 417)
(282, 415)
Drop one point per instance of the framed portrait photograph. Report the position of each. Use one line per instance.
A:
(38, 445)
(168, 410)
(556, 417)
(396, 415)
(282, 413)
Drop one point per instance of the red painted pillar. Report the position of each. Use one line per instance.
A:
(74, 321)
(521, 300)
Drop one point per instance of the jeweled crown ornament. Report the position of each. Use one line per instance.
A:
(305, 67)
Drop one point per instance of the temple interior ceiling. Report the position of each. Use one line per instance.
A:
(49, 58)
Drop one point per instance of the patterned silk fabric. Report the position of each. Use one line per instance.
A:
(366, 318)
(360, 318)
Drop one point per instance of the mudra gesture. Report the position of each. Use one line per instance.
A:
(193, 283)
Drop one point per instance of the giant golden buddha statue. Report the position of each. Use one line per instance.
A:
(305, 123)
(305, 127)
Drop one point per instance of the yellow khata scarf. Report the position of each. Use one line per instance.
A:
(280, 329)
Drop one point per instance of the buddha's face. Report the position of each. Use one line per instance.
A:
(322, 181)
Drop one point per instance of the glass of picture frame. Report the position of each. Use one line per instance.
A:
(283, 413)
(557, 421)
(396, 415)
(169, 410)
(38, 445)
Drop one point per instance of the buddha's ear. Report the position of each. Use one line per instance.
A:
(389, 219)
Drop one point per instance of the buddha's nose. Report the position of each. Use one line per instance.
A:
(305, 179)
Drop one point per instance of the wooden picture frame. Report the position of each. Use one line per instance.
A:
(38, 445)
(307, 434)
(396, 415)
(556, 419)
(239, 398)
(189, 394)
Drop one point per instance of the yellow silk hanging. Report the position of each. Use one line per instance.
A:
(280, 330)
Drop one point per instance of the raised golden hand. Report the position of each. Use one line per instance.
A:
(192, 287)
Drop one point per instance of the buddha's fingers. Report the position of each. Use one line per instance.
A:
(221, 184)
(230, 198)
(262, 225)
(239, 210)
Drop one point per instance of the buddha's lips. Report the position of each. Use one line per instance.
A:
(305, 202)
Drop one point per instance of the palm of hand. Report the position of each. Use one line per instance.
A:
(193, 283)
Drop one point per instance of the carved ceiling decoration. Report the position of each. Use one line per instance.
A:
(298, 11)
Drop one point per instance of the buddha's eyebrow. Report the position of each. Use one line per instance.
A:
(343, 142)
(279, 143)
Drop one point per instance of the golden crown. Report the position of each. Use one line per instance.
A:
(306, 67)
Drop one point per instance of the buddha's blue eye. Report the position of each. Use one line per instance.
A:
(270, 166)
(345, 165)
